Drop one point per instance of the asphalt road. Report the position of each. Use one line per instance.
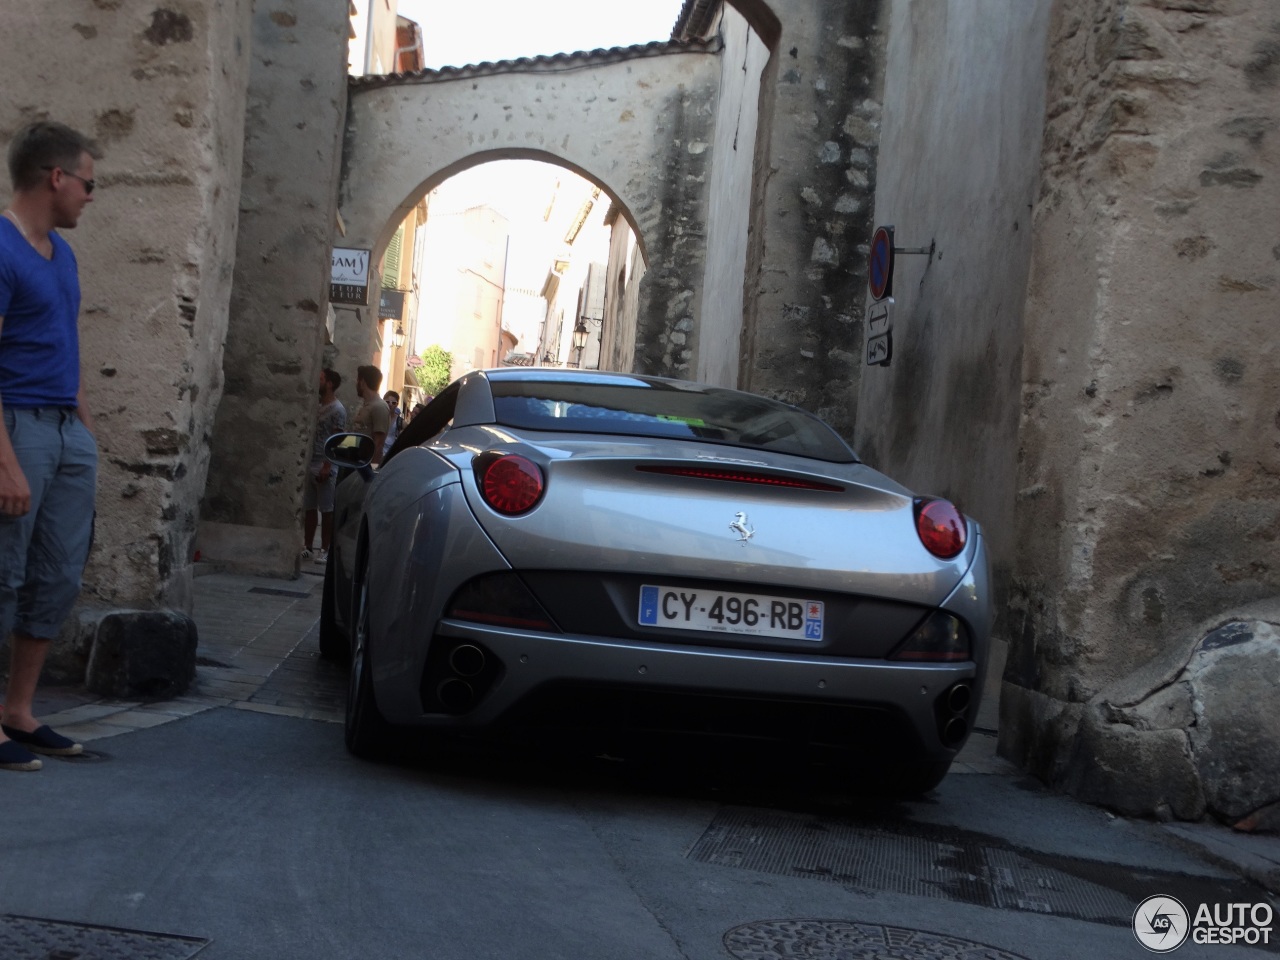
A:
(262, 836)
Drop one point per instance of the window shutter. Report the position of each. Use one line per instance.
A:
(391, 260)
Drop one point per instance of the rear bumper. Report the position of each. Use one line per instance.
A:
(411, 644)
(529, 663)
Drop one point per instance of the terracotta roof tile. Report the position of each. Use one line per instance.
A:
(696, 17)
(550, 63)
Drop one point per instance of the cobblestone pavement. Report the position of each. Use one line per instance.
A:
(257, 651)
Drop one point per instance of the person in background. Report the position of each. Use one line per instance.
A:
(373, 418)
(396, 421)
(48, 455)
(321, 481)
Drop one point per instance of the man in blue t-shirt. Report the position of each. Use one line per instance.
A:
(48, 457)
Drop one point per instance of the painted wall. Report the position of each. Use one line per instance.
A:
(372, 46)
(462, 283)
(162, 89)
(958, 168)
(477, 320)
(292, 133)
(732, 168)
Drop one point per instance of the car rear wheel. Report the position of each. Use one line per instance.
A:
(368, 734)
(333, 644)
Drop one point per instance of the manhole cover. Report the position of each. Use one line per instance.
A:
(33, 938)
(846, 940)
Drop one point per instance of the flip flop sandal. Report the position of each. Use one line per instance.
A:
(43, 740)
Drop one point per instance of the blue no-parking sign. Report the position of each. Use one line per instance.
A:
(880, 265)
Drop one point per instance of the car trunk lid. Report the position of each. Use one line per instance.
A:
(757, 520)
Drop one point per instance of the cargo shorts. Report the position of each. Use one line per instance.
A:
(319, 494)
(43, 552)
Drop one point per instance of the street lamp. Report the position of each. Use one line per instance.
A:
(579, 340)
(398, 337)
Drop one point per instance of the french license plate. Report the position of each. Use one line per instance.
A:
(751, 614)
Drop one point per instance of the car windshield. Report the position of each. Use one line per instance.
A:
(645, 408)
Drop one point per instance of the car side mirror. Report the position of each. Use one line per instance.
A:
(353, 450)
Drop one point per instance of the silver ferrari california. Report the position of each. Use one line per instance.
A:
(546, 549)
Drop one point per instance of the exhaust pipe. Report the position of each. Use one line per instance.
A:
(959, 698)
(949, 711)
(455, 695)
(954, 731)
(467, 660)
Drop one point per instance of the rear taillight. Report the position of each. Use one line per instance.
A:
(940, 638)
(941, 527)
(509, 483)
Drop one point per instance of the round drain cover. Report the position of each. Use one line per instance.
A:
(846, 940)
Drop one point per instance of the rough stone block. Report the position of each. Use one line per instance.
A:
(1144, 773)
(143, 654)
(1036, 731)
(1169, 709)
(1235, 674)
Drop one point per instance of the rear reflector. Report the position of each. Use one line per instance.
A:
(941, 527)
(743, 476)
(500, 600)
(941, 638)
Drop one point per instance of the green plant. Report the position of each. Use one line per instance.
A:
(433, 375)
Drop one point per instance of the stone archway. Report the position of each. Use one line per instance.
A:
(537, 210)
(638, 122)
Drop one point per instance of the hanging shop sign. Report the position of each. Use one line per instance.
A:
(349, 276)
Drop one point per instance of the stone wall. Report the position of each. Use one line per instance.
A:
(811, 217)
(1149, 478)
(732, 168)
(293, 130)
(162, 89)
(957, 173)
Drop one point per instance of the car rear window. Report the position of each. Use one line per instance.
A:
(668, 411)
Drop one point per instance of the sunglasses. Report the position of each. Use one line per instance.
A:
(88, 184)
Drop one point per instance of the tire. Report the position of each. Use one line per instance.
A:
(368, 735)
(334, 644)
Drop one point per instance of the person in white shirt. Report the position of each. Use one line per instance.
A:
(395, 422)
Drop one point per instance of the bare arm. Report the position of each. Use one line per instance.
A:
(378, 440)
(82, 411)
(15, 493)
